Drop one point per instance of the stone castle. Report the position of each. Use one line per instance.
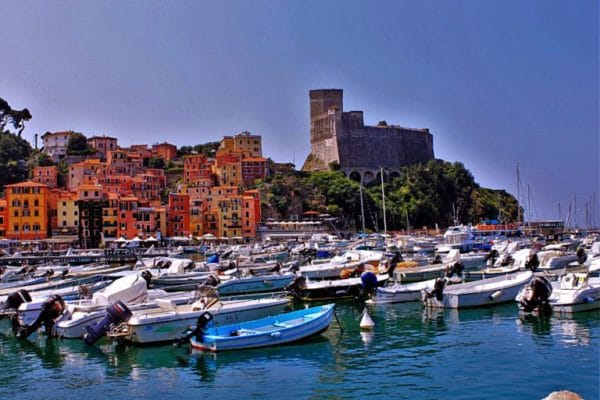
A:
(361, 151)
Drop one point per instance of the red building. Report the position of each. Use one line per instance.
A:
(196, 167)
(126, 217)
(253, 168)
(178, 213)
(46, 175)
(164, 150)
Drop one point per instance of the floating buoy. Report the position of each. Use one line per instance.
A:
(366, 322)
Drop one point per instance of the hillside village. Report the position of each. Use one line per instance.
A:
(149, 192)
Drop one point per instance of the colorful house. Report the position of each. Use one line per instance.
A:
(3, 218)
(103, 144)
(46, 175)
(253, 168)
(27, 204)
(164, 150)
(91, 200)
(178, 215)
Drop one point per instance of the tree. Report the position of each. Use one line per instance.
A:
(156, 162)
(15, 117)
(14, 151)
(382, 123)
(78, 145)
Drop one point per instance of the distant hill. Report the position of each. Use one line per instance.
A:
(427, 194)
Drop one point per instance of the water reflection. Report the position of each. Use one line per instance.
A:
(538, 324)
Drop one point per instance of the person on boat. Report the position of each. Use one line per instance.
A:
(437, 260)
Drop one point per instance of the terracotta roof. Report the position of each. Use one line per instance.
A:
(27, 184)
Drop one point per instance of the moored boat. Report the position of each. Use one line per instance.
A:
(484, 292)
(270, 331)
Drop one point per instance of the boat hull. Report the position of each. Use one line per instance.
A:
(480, 293)
(278, 330)
(168, 326)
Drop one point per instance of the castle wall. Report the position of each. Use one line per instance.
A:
(392, 148)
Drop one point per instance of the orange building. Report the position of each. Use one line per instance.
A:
(103, 144)
(84, 173)
(251, 215)
(3, 218)
(142, 150)
(228, 169)
(113, 183)
(196, 167)
(245, 143)
(27, 204)
(149, 185)
(46, 175)
(122, 162)
(164, 150)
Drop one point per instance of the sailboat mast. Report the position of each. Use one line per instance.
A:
(362, 207)
(383, 199)
(518, 196)
(528, 207)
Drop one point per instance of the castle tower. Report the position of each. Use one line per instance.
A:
(321, 100)
(326, 106)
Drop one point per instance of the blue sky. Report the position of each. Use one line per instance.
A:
(497, 82)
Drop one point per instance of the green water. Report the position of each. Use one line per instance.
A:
(490, 353)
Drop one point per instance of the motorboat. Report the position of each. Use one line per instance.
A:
(507, 263)
(270, 331)
(304, 289)
(573, 292)
(499, 289)
(167, 322)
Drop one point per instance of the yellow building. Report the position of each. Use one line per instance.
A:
(27, 204)
(67, 212)
(245, 143)
(109, 217)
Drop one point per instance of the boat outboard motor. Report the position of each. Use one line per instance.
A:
(115, 314)
(581, 256)
(52, 308)
(147, 275)
(536, 295)
(455, 269)
(196, 331)
(14, 300)
(213, 280)
(533, 263)
(296, 285)
(491, 256)
(393, 264)
(368, 281)
(438, 289)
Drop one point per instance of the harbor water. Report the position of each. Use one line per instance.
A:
(413, 353)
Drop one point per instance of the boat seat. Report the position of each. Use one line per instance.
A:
(166, 304)
(281, 324)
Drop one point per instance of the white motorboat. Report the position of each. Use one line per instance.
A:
(484, 292)
(399, 293)
(506, 264)
(573, 292)
(168, 321)
(407, 273)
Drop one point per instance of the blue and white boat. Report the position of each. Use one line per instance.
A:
(270, 331)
